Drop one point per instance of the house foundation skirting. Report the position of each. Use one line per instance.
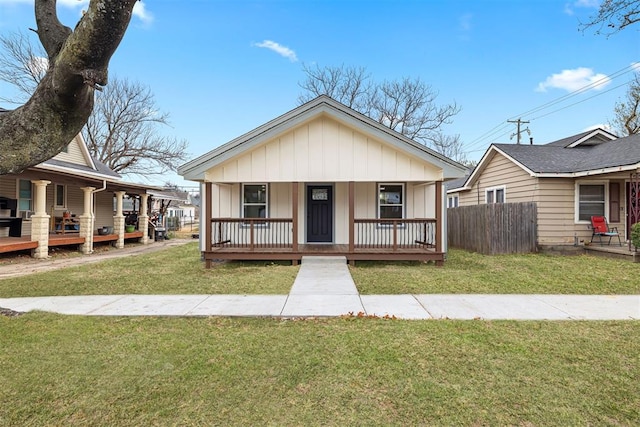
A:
(287, 254)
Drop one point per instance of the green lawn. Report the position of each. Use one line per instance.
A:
(176, 270)
(179, 270)
(72, 370)
(466, 272)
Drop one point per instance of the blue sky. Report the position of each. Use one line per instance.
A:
(222, 68)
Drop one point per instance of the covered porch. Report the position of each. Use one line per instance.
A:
(287, 238)
(51, 221)
(24, 243)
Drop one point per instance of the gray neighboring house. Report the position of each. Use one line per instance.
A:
(591, 173)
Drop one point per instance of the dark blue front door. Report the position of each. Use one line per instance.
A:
(319, 214)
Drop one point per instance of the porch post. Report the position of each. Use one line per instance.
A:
(86, 221)
(439, 218)
(352, 214)
(118, 220)
(40, 221)
(208, 212)
(294, 213)
(143, 219)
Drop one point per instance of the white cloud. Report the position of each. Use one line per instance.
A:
(464, 22)
(598, 126)
(140, 11)
(38, 65)
(571, 80)
(586, 4)
(636, 66)
(279, 49)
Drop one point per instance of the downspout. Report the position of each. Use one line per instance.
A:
(93, 209)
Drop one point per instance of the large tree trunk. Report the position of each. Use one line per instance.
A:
(63, 100)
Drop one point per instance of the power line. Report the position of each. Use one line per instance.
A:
(500, 127)
(579, 102)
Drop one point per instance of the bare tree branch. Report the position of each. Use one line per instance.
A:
(627, 112)
(63, 99)
(122, 132)
(21, 65)
(614, 16)
(407, 106)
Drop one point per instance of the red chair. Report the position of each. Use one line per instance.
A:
(601, 228)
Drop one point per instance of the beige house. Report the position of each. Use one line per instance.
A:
(322, 178)
(70, 199)
(572, 179)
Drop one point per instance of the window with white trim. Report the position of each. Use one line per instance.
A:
(255, 200)
(391, 201)
(495, 194)
(591, 200)
(25, 195)
(61, 196)
(452, 201)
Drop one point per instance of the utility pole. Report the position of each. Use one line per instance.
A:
(519, 132)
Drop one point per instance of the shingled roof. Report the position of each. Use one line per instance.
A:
(595, 151)
(561, 157)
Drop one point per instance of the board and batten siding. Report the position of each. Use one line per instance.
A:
(519, 185)
(419, 203)
(323, 150)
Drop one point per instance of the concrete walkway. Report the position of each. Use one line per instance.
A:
(324, 288)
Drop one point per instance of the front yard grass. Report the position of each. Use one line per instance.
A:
(178, 270)
(472, 273)
(72, 370)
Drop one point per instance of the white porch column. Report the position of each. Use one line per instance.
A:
(87, 221)
(118, 220)
(40, 220)
(143, 219)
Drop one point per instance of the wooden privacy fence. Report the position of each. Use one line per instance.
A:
(498, 228)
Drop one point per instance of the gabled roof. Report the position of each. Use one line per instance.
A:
(195, 169)
(587, 153)
(93, 168)
(590, 137)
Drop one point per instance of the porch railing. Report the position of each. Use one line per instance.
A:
(252, 233)
(395, 234)
(387, 235)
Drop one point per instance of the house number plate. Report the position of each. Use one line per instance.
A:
(319, 194)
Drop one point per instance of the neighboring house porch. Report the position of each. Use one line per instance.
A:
(67, 200)
(589, 174)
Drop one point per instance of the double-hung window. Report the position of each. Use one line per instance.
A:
(61, 196)
(495, 195)
(25, 195)
(255, 201)
(391, 201)
(591, 201)
(452, 201)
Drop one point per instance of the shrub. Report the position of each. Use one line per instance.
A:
(635, 234)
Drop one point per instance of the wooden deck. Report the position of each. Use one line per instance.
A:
(15, 244)
(358, 253)
(624, 252)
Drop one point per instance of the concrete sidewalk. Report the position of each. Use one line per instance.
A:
(324, 288)
(434, 306)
